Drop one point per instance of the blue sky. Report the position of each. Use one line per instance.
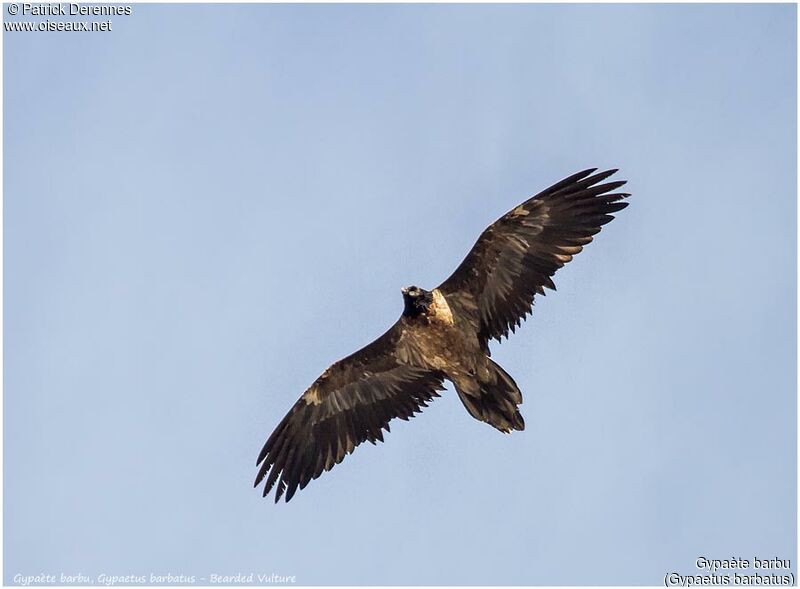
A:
(209, 204)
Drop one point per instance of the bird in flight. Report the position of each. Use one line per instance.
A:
(443, 334)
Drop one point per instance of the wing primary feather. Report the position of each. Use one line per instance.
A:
(569, 180)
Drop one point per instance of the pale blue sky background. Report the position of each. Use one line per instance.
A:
(208, 205)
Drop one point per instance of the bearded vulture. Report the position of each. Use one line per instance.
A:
(443, 334)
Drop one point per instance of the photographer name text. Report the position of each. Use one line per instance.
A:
(73, 9)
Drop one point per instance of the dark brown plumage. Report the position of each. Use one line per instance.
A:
(443, 335)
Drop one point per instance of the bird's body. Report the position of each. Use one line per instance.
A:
(442, 338)
(441, 335)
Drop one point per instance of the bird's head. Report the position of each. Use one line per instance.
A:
(417, 300)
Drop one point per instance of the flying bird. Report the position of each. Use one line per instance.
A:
(443, 334)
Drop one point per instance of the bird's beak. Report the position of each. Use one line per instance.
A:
(404, 290)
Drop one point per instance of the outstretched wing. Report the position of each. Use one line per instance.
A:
(516, 255)
(351, 402)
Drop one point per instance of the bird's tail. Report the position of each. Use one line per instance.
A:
(494, 400)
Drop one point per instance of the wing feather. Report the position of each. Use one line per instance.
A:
(516, 256)
(352, 402)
